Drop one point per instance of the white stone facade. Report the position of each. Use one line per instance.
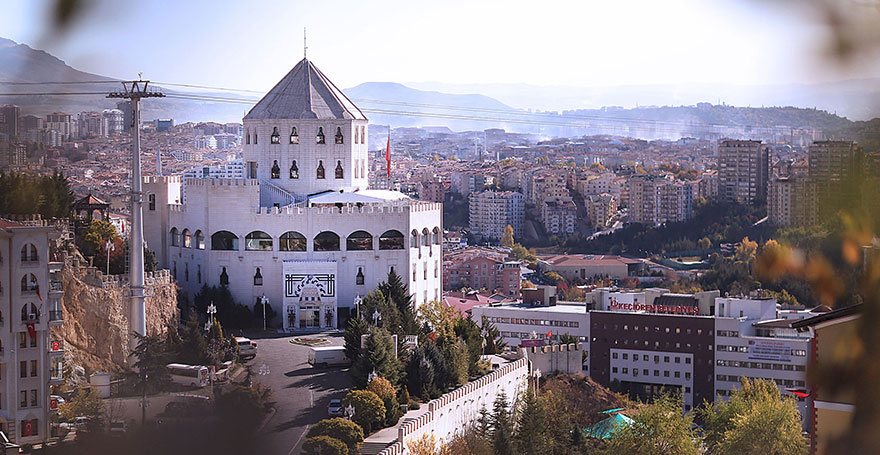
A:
(244, 233)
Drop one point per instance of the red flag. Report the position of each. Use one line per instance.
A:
(37, 289)
(550, 334)
(800, 393)
(388, 153)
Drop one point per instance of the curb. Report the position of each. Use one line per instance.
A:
(267, 419)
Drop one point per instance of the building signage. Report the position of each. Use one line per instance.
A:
(779, 351)
(677, 309)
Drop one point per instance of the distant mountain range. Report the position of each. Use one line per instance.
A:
(460, 109)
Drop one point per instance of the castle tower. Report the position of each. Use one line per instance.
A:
(305, 136)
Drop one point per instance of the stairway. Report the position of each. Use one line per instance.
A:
(373, 448)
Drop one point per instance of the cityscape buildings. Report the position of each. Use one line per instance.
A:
(489, 212)
(743, 171)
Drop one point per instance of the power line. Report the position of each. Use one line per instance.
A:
(53, 93)
(57, 83)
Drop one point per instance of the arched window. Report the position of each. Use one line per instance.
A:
(276, 171)
(248, 137)
(359, 241)
(294, 138)
(391, 240)
(224, 241)
(320, 172)
(339, 138)
(224, 277)
(258, 241)
(276, 138)
(326, 241)
(29, 253)
(363, 135)
(200, 240)
(258, 277)
(29, 312)
(175, 237)
(438, 236)
(294, 171)
(339, 171)
(319, 138)
(357, 136)
(187, 239)
(292, 241)
(414, 239)
(255, 136)
(426, 237)
(29, 283)
(359, 278)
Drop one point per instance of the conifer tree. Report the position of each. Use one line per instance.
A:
(502, 428)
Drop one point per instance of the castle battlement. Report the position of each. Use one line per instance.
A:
(222, 182)
(387, 209)
(155, 179)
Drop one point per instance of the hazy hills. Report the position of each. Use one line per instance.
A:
(473, 107)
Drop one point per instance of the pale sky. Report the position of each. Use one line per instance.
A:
(252, 44)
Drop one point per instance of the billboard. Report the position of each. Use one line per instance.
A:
(779, 351)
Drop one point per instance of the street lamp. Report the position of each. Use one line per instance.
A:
(110, 247)
(264, 300)
(372, 376)
(537, 375)
(212, 310)
(349, 412)
(357, 303)
(376, 317)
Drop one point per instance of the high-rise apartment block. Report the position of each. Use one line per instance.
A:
(792, 201)
(655, 200)
(831, 160)
(489, 212)
(743, 171)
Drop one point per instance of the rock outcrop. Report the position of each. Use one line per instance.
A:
(96, 309)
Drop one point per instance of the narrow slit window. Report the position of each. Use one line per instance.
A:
(320, 172)
(276, 138)
(338, 137)
(319, 138)
(339, 172)
(294, 171)
(294, 138)
(276, 171)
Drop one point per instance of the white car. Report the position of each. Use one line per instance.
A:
(335, 408)
(246, 347)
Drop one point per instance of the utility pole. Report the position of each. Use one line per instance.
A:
(134, 91)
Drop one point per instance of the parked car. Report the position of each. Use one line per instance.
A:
(79, 424)
(247, 349)
(335, 408)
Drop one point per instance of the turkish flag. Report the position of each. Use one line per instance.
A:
(800, 393)
(32, 331)
(388, 153)
(550, 334)
(28, 428)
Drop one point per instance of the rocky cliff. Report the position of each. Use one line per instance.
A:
(96, 310)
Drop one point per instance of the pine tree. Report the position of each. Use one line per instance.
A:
(379, 357)
(356, 328)
(502, 429)
(530, 423)
(397, 295)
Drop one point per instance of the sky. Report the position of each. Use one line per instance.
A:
(584, 43)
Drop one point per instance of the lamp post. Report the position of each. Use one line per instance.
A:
(537, 375)
(372, 376)
(349, 412)
(357, 303)
(376, 317)
(264, 300)
(109, 248)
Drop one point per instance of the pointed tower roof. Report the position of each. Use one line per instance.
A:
(305, 93)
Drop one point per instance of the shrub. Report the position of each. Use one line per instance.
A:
(368, 408)
(324, 445)
(340, 429)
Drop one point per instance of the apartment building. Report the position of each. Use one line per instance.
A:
(654, 200)
(831, 160)
(559, 216)
(792, 201)
(601, 209)
(743, 171)
(481, 268)
(489, 212)
(31, 360)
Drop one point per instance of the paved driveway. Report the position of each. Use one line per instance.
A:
(301, 393)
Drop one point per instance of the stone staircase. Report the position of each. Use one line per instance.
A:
(373, 448)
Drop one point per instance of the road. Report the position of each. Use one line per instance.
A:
(300, 392)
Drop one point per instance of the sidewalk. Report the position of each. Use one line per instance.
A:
(388, 435)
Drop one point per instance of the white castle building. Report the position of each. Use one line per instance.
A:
(301, 228)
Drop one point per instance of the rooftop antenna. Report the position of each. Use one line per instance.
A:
(305, 46)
